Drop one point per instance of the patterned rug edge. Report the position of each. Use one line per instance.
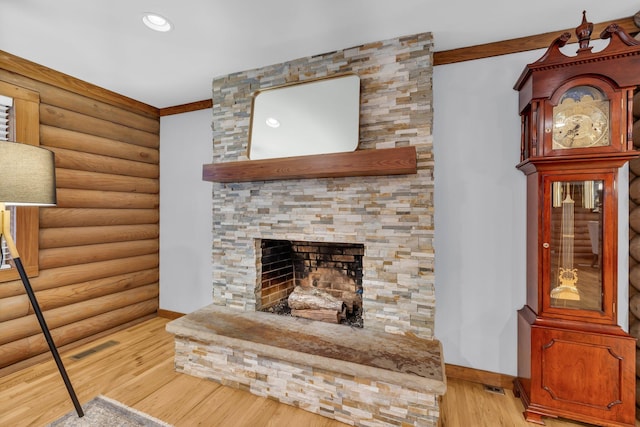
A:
(104, 411)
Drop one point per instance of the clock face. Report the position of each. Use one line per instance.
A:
(581, 119)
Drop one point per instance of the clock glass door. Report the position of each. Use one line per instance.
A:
(575, 245)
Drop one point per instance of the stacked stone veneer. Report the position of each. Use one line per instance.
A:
(392, 216)
(359, 376)
(351, 399)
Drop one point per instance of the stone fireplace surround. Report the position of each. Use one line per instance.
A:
(392, 216)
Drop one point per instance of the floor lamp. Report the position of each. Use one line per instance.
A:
(27, 178)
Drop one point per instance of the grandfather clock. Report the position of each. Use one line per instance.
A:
(574, 361)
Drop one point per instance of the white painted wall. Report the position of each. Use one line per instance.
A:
(479, 216)
(185, 212)
(480, 209)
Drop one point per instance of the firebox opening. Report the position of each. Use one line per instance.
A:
(315, 280)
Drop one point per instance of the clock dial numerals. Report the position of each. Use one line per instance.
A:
(581, 119)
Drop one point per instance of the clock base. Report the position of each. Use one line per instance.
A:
(575, 373)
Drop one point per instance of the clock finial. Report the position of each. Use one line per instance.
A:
(583, 32)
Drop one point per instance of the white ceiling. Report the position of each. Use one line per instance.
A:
(105, 43)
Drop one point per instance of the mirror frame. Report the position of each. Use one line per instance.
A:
(352, 110)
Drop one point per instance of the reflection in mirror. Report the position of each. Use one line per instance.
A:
(316, 117)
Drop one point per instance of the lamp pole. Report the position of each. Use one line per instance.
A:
(13, 250)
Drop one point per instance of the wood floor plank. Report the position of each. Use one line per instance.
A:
(168, 405)
(144, 384)
(468, 404)
(226, 408)
(139, 372)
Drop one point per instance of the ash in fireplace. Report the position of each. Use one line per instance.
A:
(281, 309)
(353, 319)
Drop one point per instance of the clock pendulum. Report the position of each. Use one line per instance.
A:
(567, 274)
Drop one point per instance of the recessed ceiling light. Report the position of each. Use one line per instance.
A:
(272, 122)
(156, 22)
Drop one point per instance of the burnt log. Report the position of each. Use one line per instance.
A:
(309, 298)
(351, 299)
(330, 316)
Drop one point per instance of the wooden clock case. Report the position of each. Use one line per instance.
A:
(575, 362)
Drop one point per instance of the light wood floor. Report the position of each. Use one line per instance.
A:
(138, 371)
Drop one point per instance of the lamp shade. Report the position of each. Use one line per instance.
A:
(27, 175)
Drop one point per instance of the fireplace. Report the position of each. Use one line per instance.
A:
(390, 372)
(318, 280)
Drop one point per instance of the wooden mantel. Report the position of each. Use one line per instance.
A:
(389, 161)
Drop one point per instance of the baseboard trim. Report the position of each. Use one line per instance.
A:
(168, 314)
(479, 376)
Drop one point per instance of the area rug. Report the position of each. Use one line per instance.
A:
(105, 412)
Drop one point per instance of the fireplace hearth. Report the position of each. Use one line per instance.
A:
(358, 376)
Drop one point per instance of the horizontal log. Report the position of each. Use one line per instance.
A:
(14, 306)
(350, 298)
(70, 217)
(23, 72)
(16, 329)
(56, 277)
(634, 167)
(69, 178)
(76, 141)
(62, 257)
(634, 219)
(634, 276)
(133, 118)
(59, 117)
(58, 297)
(303, 298)
(77, 236)
(69, 159)
(71, 198)
(330, 316)
(34, 345)
(390, 161)
(634, 190)
(634, 305)
(19, 305)
(634, 331)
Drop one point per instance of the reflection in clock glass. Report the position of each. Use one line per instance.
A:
(581, 119)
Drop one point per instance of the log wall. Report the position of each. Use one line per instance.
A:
(634, 244)
(98, 253)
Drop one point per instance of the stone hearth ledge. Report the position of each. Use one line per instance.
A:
(405, 360)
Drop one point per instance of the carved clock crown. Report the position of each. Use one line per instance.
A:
(598, 88)
(623, 51)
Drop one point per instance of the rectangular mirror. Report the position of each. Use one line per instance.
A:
(315, 117)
